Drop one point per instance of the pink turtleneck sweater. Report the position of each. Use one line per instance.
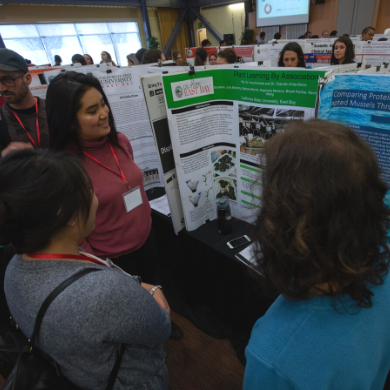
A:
(116, 231)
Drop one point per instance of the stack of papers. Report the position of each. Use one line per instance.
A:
(161, 205)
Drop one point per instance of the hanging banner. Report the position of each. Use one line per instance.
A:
(361, 102)
(220, 121)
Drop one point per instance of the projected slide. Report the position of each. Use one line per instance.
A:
(280, 12)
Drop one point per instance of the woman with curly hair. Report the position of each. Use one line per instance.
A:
(321, 241)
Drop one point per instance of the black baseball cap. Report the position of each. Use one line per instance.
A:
(10, 61)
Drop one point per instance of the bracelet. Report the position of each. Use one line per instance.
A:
(155, 288)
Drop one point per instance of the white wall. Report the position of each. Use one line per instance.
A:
(221, 19)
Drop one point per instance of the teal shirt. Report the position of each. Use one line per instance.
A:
(308, 345)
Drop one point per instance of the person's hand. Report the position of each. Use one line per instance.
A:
(158, 296)
(15, 146)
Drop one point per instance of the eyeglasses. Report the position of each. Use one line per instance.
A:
(8, 81)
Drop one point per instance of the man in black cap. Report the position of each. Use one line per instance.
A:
(23, 122)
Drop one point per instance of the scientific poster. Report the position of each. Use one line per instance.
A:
(361, 102)
(124, 92)
(373, 53)
(154, 97)
(317, 54)
(123, 89)
(220, 121)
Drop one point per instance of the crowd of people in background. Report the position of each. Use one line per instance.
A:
(342, 53)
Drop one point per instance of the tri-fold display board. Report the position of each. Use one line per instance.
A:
(201, 133)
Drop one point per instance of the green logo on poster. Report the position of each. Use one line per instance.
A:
(258, 51)
(179, 92)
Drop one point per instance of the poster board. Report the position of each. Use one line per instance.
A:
(373, 53)
(155, 102)
(219, 122)
(361, 102)
(123, 89)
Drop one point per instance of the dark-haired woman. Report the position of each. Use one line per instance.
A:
(200, 56)
(321, 236)
(90, 319)
(152, 56)
(343, 52)
(227, 56)
(292, 56)
(106, 58)
(81, 121)
(78, 59)
(88, 59)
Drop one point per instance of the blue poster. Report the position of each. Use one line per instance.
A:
(361, 102)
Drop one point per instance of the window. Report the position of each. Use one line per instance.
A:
(40, 43)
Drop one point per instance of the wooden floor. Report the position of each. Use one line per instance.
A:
(200, 362)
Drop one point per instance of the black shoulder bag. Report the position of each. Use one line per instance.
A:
(34, 369)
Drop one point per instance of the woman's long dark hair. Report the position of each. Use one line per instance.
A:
(151, 56)
(40, 192)
(63, 101)
(323, 220)
(79, 58)
(200, 56)
(89, 58)
(295, 47)
(349, 51)
(107, 54)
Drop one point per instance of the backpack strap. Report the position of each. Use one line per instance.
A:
(50, 299)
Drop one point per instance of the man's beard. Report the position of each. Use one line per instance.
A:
(18, 96)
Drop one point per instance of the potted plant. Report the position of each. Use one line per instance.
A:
(247, 36)
(153, 43)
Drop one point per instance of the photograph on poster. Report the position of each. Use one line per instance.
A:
(224, 162)
(258, 124)
(226, 186)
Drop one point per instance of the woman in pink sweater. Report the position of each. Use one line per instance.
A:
(81, 122)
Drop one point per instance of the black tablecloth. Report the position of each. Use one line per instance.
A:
(205, 282)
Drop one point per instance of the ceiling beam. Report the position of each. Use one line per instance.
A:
(129, 3)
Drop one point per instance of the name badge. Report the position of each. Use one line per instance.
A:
(132, 199)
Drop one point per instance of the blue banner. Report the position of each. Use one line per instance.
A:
(366, 100)
(362, 103)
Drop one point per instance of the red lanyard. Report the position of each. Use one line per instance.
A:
(63, 257)
(121, 175)
(38, 133)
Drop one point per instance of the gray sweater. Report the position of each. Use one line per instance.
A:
(85, 324)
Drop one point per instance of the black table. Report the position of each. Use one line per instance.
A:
(205, 282)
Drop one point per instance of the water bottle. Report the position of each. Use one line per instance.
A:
(224, 216)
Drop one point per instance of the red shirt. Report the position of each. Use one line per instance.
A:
(116, 231)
